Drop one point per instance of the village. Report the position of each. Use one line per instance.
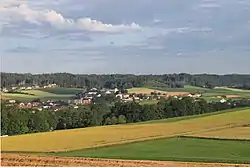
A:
(87, 97)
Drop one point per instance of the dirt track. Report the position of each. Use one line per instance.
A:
(31, 160)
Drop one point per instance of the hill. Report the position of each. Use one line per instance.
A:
(68, 140)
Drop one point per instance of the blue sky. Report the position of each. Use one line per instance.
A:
(118, 36)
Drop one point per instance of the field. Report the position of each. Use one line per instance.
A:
(202, 138)
(239, 132)
(43, 94)
(117, 134)
(32, 160)
(209, 94)
(181, 149)
(148, 91)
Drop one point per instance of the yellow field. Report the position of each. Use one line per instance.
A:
(228, 133)
(143, 90)
(107, 135)
(148, 91)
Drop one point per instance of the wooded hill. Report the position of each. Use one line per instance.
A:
(125, 81)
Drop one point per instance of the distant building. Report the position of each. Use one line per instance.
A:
(12, 101)
(223, 100)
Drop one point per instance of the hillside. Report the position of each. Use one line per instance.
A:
(43, 94)
(76, 139)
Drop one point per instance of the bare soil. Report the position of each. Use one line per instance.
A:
(34, 160)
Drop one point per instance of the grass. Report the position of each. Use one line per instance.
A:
(34, 94)
(186, 88)
(173, 149)
(63, 91)
(148, 102)
(143, 90)
(193, 116)
(76, 139)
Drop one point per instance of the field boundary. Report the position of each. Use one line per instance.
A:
(213, 138)
(191, 116)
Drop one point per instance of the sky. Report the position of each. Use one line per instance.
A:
(125, 36)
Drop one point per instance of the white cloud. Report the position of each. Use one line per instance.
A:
(58, 21)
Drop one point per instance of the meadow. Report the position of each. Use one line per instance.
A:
(93, 137)
(215, 94)
(173, 149)
(43, 94)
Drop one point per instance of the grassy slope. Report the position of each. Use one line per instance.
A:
(63, 91)
(109, 135)
(186, 88)
(44, 94)
(181, 149)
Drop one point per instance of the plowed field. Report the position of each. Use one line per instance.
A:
(32, 160)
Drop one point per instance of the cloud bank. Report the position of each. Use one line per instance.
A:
(58, 21)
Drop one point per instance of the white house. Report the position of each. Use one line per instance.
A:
(116, 90)
(12, 101)
(5, 90)
(223, 100)
(107, 92)
(119, 95)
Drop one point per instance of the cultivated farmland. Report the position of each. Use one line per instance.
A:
(76, 139)
(178, 149)
(32, 160)
(241, 132)
(43, 94)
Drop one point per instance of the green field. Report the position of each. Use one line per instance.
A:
(186, 88)
(173, 149)
(43, 94)
(63, 91)
(83, 138)
(152, 140)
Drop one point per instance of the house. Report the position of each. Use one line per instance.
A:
(136, 98)
(126, 96)
(223, 100)
(107, 92)
(5, 90)
(116, 90)
(23, 88)
(119, 95)
(12, 101)
(85, 101)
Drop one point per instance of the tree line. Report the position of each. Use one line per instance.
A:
(124, 81)
(15, 121)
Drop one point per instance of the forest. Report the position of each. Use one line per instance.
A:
(125, 81)
(15, 121)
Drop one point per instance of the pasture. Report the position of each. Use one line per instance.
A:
(173, 149)
(187, 89)
(68, 140)
(209, 94)
(63, 91)
(43, 94)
